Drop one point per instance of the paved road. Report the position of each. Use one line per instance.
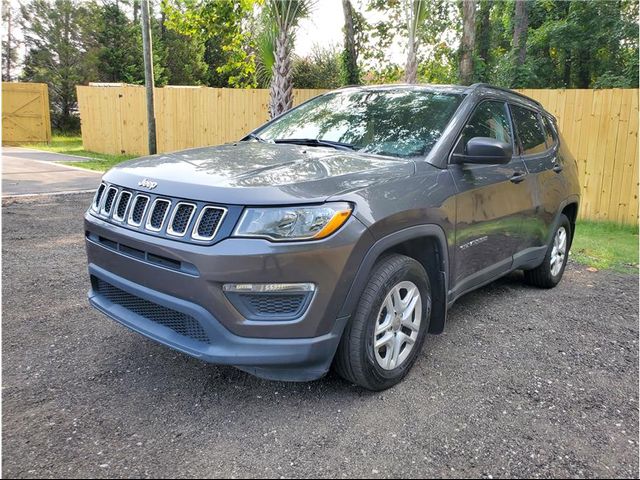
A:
(26, 171)
(524, 383)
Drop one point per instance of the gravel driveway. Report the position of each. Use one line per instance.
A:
(524, 383)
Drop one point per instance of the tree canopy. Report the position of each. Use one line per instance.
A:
(236, 44)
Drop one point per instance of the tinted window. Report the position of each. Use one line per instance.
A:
(548, 131)
(401, 123)
(490, 119)
(530, 135)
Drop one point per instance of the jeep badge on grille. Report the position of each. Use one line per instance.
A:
(146, 183)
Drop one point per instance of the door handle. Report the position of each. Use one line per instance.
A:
(557, 168)
(518, 177)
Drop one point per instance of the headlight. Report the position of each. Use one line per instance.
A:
(293, 223)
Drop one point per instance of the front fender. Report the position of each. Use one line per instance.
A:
(439, 278)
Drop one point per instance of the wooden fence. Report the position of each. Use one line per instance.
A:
(114, 118)
(600, 128)
(25, 113)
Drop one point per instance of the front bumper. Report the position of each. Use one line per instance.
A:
(300, 349)
(301, 359)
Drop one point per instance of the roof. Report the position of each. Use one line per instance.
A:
(455, 89)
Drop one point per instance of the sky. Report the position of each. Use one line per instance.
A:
(324, 27)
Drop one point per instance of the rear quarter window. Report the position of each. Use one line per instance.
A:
(549, 132)
(530, 135)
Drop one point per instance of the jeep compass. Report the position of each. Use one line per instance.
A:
(338, 233)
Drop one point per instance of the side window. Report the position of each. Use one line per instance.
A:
(490, 119)
(529, 131)
(549, 132)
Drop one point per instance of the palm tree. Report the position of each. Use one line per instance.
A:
(416, 14)
(281, 19)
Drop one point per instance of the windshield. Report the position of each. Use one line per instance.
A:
(399, 123)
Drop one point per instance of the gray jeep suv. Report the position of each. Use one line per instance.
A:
(338, 233)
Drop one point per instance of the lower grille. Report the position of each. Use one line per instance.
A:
(179, 322)
(274, 304)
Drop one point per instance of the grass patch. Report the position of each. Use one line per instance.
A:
(72, 145)
(606, 246)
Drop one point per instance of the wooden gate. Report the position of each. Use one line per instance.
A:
(25, 113)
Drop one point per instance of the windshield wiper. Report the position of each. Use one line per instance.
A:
(315, 142)
(253, 136)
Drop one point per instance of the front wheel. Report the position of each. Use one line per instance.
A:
(549, 273)
(384, 337)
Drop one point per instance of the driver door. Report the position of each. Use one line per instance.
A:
(490, 203)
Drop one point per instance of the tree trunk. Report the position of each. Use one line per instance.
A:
(411, 69)
(7, 54)
(136, 11)
(484, 31)
(281, 92)
(413, 16)
(468, 41)
(521, 25)
(351, 54)
(147, 51)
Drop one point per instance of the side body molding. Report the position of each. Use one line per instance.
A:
(439, 286)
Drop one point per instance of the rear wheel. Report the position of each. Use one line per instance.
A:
(384, 338)
(549, 273)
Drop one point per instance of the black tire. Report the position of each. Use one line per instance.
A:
(355, 359)
(542, 275)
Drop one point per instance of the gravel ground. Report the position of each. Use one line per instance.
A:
(524, 383)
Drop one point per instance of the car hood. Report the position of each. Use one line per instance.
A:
(259, 173)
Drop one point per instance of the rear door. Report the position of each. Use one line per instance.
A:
(537, 142)
(490, 203)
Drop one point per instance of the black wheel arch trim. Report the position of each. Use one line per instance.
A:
(573, 199)
(439, 285)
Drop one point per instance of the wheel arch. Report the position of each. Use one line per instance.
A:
(570, 210)
(425, 243)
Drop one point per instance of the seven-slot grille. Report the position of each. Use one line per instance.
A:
(181, 218)
(158, 215)
(138, 210)
(123, 203)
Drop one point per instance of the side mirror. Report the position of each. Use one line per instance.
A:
(485, 151)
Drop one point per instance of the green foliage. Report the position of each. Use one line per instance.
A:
(219, 25)
(55, 35)
(183, 59)
(118, 51)
(322, 69)
(571, 44)
(437, 23)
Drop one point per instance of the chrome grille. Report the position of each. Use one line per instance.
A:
(136, 214)
(208, 222)
(181, 219)
(158, 213)
(121, 208)
(184, 220)
(108, 201)
(98, 196)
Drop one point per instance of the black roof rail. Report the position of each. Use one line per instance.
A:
(507, 90)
